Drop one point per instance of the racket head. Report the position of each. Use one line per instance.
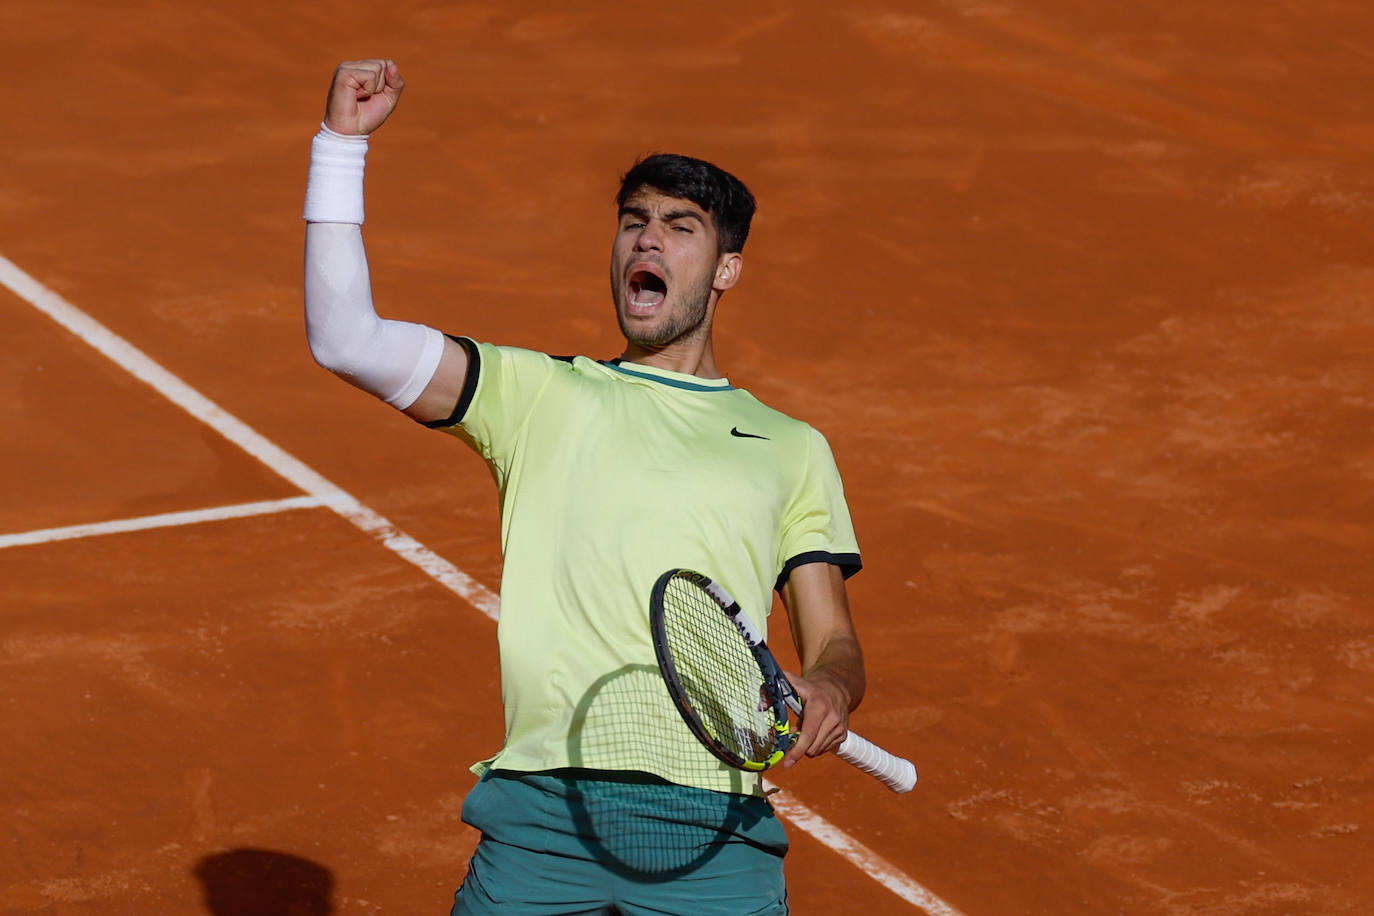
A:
(729, 697)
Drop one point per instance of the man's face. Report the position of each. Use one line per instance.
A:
(664, 266)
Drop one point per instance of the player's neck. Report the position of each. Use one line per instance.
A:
(689, 357)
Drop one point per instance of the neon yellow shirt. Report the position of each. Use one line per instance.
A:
(609, 474)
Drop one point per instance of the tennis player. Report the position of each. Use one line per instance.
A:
(609, 472)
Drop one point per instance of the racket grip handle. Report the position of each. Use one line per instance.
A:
(898, 773)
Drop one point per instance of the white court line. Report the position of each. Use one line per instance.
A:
(872, 864)
(142, 367)
(163, 520)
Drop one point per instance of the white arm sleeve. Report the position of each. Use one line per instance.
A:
(394, 360)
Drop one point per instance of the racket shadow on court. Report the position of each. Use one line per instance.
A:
(637, 825)
(260, 882)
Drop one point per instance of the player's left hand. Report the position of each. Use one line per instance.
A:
(825, 716)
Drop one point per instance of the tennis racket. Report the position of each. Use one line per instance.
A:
(728, 687)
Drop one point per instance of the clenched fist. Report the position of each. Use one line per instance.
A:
(362, 96)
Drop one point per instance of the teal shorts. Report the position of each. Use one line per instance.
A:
(592, 843)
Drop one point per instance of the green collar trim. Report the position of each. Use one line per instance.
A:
(671, 379)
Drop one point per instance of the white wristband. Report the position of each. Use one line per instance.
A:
(334, 189)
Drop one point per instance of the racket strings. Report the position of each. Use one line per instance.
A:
(718, 673)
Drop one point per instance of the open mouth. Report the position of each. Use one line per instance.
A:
(647, 288)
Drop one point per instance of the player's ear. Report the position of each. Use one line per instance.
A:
(728, 268)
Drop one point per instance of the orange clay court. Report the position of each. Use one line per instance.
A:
(1081, 294)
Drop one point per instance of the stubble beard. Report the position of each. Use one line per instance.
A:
(675, 325)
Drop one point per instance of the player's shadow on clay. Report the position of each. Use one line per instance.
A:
(636, 825)
(259, 882)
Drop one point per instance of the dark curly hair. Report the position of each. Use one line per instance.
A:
(710, 187)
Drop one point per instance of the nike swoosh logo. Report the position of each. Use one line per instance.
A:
(734, 431)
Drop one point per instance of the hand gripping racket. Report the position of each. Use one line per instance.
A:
(729, 688)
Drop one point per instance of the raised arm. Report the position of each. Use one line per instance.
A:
(833, 680)
(412, 367)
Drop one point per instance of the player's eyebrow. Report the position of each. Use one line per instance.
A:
(684, 214)
(670, 216)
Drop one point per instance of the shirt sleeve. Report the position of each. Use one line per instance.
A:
(816, 527)
(502, 386)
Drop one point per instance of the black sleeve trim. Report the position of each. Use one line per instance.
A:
(469, 385)
(849, 564)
